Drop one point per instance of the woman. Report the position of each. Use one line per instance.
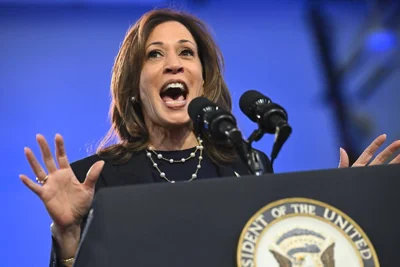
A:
(167, 59)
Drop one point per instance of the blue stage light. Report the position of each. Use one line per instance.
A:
(381, 40)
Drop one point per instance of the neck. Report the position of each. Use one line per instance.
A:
(172, 139)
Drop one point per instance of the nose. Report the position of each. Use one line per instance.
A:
(173, 65)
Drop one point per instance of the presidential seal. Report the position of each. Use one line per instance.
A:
(300, 232)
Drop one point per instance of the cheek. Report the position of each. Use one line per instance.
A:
(145, 88)
(201, 79)
(145, 99)
(197, 79)
(144, 96)
(200, 86)
(148, 81)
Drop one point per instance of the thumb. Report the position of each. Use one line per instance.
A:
(344, 159)
(93, 174)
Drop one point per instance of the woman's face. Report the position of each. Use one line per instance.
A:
(171, 75)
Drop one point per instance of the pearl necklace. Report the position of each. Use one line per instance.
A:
(183, 160)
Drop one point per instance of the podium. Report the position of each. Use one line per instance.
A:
(215, 222)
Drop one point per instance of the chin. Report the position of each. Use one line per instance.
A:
(176, 122)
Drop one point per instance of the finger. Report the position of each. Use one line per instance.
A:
(35, 165)
(344, 159)
(61, 156)
(370, 151)
(396, 160)
(386, 154)
(35, 188)
(93, 174)
(46, 154)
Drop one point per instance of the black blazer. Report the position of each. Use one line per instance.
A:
(133, 172)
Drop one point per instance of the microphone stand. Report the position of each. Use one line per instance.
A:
(282, 133)
(250, 157)
(247, 154)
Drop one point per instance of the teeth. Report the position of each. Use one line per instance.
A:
(175, 102)
(175, 85)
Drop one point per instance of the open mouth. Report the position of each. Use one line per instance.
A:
(174, 94)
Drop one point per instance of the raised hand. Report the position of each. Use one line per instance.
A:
(66, 199)
(369, 152)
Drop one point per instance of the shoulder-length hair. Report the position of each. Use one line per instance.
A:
(128, 127)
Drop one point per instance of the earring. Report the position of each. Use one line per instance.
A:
(133, 99)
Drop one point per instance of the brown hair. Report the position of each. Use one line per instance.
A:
(127, 119)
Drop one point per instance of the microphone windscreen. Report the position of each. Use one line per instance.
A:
(247, 102)
(196, 106)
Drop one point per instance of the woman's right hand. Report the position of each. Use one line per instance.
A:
(66, 199)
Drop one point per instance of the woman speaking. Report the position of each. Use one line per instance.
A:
(167, 59)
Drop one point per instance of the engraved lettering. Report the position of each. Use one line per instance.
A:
(250, 237)
(303, 208)
(366, 254)
(278, 212)
(260, 219)
(341, 222)
(354, 234)
(330, 216)
(248, 247)
(348, 229)
(247, 263)
(361, 243)
(256, 229)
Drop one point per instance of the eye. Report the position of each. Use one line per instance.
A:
(187, 52)
(154, 54)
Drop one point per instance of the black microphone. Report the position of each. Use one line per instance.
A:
(213, 121)
(270, 117)
(260, 109)
(220, 125)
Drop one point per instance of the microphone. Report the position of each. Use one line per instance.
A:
(270, 117)
(220, 125)
(213, 121)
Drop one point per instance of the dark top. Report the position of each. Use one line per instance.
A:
(139, 170)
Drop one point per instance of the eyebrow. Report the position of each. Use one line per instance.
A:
(182, 41)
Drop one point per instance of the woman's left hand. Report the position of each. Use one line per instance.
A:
(369, 152)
